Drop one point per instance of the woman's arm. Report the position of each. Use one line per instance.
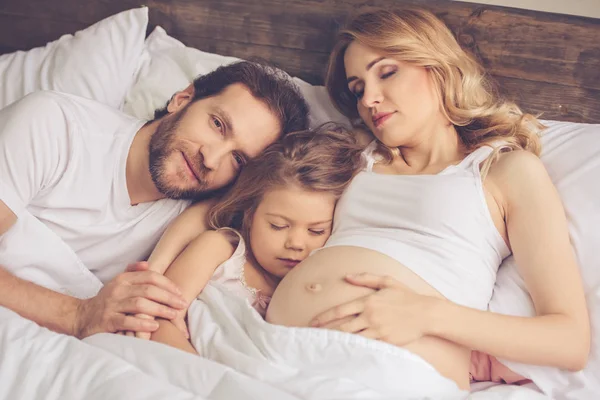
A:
(192, 270)
(178, 235)
(537, 229)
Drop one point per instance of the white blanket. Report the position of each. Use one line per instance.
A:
(244, 357)
(310, 363)
(36, 363)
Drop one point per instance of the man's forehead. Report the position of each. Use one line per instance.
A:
(238, 99)
(255, 126)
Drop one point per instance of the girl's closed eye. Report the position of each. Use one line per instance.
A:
(317, 231)
(277, 227)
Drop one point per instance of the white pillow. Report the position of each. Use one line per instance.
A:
(99, 62)
(571, 154)
(168, 66)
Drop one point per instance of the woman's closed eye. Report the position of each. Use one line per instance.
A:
(387, 74)
(359, 88)
(317, 232)
(358, 91)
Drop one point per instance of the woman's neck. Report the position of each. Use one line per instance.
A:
(437, 149)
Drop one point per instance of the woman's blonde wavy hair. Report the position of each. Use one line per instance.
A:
(469, 102)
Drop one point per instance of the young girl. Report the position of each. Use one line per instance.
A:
(279, 210)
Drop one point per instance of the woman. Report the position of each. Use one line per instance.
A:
(453, 186)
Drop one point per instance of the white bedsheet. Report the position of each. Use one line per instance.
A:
(246, 358)
(36, 363)
(310, 363)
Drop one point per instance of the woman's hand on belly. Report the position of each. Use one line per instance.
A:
(393, 313)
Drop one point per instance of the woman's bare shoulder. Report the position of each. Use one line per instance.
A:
(517, 165)
(516, 173)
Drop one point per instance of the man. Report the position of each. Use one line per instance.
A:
(108, 185)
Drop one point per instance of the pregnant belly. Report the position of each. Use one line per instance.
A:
(317, 284)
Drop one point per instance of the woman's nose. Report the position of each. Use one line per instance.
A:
(372, 96)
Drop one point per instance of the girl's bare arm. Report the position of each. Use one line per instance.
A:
(187, 226)
(191, 271)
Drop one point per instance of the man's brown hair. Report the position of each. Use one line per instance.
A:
(268, 84)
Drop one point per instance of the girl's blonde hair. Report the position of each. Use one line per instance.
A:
(468, 100)
(321, 160)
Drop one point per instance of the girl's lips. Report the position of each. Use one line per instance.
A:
(289, 263)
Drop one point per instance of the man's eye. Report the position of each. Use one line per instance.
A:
(218, 124)
(240, 160)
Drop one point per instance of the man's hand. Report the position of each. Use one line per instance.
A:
(178, 321)
(136, 291)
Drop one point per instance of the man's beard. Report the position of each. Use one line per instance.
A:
(162, 145)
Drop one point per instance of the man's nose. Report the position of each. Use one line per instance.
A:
(213, 156)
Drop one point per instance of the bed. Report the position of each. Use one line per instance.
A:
(548, 63)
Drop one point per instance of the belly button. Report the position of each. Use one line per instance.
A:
(314, 287)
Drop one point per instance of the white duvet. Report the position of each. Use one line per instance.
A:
(255, 362)
(243, 356)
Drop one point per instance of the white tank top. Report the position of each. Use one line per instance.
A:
(438, 226)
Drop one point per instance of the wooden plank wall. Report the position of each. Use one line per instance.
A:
(548, 63)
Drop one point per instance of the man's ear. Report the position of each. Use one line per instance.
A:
(181, 99)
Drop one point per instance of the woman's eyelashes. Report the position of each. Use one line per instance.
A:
(387, 74)
(357, 93)
(359, 90)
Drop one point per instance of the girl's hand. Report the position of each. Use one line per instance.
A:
(180, 324)
(178, 321)
(394, 313)
(141, 335)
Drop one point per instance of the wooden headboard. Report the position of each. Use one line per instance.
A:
(547, 63)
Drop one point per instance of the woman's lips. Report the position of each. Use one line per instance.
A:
(380, 118)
